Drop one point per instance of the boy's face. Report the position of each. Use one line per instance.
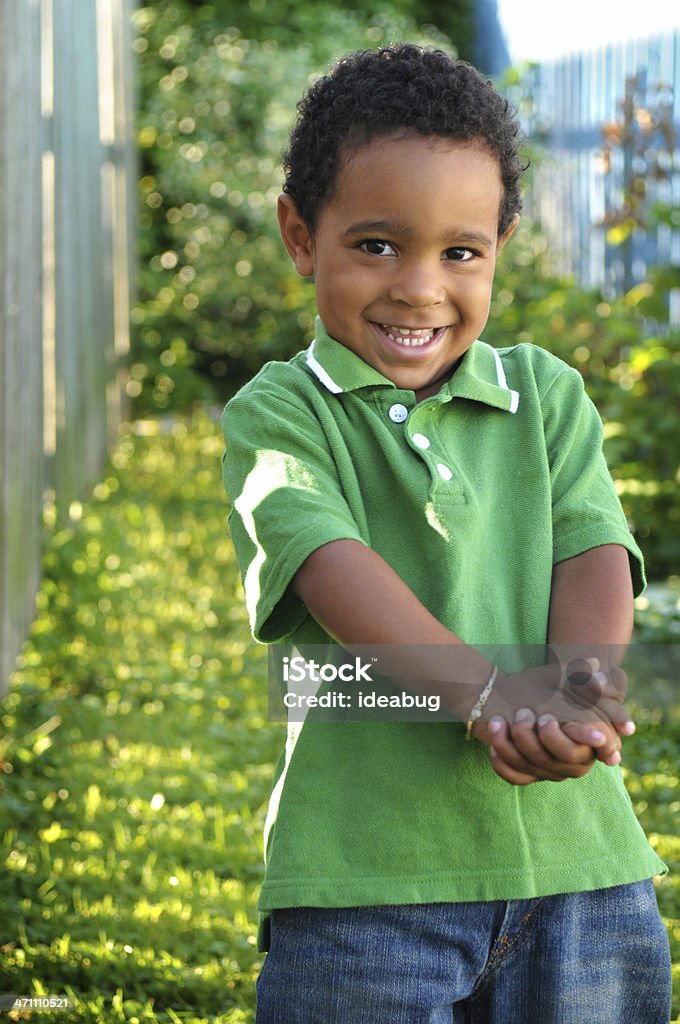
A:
(404, 254)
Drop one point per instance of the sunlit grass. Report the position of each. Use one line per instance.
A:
(651, 773)
(139, 756)
(140, 753)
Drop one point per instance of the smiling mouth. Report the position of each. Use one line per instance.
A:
(410, 337)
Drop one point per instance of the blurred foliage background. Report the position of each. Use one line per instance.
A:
(218, 296)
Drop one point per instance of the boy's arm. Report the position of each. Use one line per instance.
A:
(592, 601)
(592, 608)
(591, 612)
(359, 599)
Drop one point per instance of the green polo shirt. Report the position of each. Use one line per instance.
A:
(472, 496)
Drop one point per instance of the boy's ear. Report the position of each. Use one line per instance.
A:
(296, 236)
(508, 233)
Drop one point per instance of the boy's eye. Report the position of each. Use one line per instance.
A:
(459, 255)
(377, 247)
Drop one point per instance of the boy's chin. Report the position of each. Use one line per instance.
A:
(417, 382)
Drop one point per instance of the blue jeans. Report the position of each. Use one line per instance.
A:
(597, 957)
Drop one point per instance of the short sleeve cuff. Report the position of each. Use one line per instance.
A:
(278, 611)
(577, 542)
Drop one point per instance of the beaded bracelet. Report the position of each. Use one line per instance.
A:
(481, 701)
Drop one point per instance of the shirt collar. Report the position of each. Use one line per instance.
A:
(480, 376)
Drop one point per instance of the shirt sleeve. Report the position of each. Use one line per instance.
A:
(286, 501)
(586, 509)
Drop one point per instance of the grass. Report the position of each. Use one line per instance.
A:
(140, 752)
(138, 756)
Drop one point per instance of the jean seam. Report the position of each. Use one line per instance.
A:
(505, 946)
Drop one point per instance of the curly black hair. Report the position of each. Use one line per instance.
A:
(400, 88)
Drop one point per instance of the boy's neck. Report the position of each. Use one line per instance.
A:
(435, 386)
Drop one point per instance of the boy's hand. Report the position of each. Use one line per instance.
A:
(569, 696)
(544, 750)
(564, 725)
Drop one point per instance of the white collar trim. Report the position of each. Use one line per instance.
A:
(502, 381)
(318, 370)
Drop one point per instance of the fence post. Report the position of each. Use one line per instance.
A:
(66, 216)
(22, 464)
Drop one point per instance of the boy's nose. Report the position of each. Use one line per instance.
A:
(418, 286)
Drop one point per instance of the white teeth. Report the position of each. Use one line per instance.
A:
(409, 336)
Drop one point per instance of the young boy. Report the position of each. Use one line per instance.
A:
(402, 483)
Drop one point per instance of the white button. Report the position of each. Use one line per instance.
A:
(444, 471)
(398, 413)
(420, 441)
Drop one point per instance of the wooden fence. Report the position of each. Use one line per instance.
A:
(66, 209)
(609, 123)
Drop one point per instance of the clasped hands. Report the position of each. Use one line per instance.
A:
(553, 722)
